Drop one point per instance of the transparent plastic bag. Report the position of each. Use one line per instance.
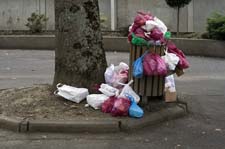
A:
(108, 90)
(117, 74)
(170, 83)
(128, 90)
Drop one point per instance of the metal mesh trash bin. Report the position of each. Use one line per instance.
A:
(148, 86)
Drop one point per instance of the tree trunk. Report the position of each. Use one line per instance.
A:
(178, 21)
(79, 57)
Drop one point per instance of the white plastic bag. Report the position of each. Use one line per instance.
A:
(171, 60)
(170, 83)
(160, 25)
(96, 100)
(149, 25)
(108, 90)
(170, 90)
(109, 74)
(116, 74)
(71, 93)
(128, 90)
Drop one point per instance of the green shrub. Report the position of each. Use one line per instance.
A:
(103, 20)
(36, 22)
(177, 3)
(216, 26)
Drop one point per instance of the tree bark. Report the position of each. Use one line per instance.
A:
(79, 57)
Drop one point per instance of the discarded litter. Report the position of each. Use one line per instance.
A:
(118, 98)
(134, 110)
(108, 90)
(108, 105)
(96, 100)
(116, 74)
(128, 90)
(171, 60)
(138, 67)
(154, 65)
(71, 93)
(121, 107)
(170, 90)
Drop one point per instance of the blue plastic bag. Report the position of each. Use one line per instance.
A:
(138, 67)
(134, 110)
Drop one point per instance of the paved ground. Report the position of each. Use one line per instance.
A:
(203, 86)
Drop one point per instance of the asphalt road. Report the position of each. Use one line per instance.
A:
(202, 86)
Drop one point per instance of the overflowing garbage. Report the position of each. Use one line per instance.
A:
(148, 30)
(116, 96)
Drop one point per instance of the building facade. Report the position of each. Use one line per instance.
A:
(118, 13)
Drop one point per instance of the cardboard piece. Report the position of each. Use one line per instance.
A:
(179, 71)
(170, 96)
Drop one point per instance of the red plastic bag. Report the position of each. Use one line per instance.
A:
(156, 34)
(154, 65)
(121, 107)
(183, 63)
(108, 105)
(142, 17)
(139, 21)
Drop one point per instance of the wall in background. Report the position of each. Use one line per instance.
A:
(14, 13)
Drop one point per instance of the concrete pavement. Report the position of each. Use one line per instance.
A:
(202, 86)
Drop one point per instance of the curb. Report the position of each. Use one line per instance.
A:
(102, 126)
(92, 126)
(10, 123)
(153, 118)
(195, 47)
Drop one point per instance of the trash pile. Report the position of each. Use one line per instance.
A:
(147, 30)
(116, 98)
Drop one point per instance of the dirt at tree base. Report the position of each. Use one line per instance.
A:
(39, 102)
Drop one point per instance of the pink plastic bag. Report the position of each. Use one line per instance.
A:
(183, 63)
(156, 34)
(154, 65)
(116, 74)
(142, 17)
(108, 105)
(121, 107)
(139, 21)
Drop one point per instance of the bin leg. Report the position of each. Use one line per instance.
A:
(144, 100)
